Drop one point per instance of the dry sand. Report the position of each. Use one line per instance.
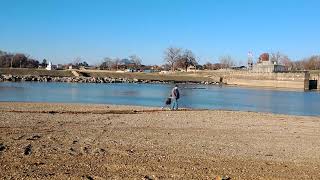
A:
(72, 141)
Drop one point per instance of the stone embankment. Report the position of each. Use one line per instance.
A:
(81, 79)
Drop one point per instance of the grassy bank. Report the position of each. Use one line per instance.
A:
(35, 72)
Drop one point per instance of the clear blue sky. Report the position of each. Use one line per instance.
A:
(61, 30)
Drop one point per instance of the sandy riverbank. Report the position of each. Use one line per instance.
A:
(60, 141)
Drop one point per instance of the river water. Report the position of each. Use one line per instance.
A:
(192, 96)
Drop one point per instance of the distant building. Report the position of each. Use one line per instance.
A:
(49, 66)
(60, 67)
(264, 65)
(72, 67)
(191, 68)
(130, 70)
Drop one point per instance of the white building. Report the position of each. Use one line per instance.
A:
(49, 66)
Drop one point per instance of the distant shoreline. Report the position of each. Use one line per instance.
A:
(296, 81)
(32, 78)
(41, 75)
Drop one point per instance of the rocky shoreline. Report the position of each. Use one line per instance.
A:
(82, 79)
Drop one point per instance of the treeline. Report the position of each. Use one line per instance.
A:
(133, 62)
(17, 61)
(20, 60)
(311, 63)
(224, 63)
(174, 59)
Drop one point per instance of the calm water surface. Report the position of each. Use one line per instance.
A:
(192, 96)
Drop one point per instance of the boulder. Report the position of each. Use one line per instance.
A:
(7, 77)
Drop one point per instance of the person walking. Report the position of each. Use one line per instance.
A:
(175, 95)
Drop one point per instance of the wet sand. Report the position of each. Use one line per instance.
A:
(74, 141)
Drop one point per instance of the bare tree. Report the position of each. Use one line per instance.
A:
(187, 59)
(136, 60)
(278, 58)
(285, 61)
(312, 63)
(116, 63)
(226, 61)
(172, 55)
(208, 66)
(18, 59)
(106, 63)
(76, 61)
(298, 65)
(275, 57)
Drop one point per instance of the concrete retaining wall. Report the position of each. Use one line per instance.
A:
(299, 80)
(316, 76)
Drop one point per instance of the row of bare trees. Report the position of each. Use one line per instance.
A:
(133, 61)
(179, 58)
(17, 60)
(224, 63)
(309, 63)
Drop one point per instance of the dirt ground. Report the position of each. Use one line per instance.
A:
(74, 141)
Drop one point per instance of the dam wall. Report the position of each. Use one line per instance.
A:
(288, 80)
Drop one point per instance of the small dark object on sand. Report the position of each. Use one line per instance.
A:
(28, 150)
(2, 147)
(148, 177)
(88, 177)
(35, 137)
(222, 178)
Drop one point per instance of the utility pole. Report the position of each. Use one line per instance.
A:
(250, 60)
